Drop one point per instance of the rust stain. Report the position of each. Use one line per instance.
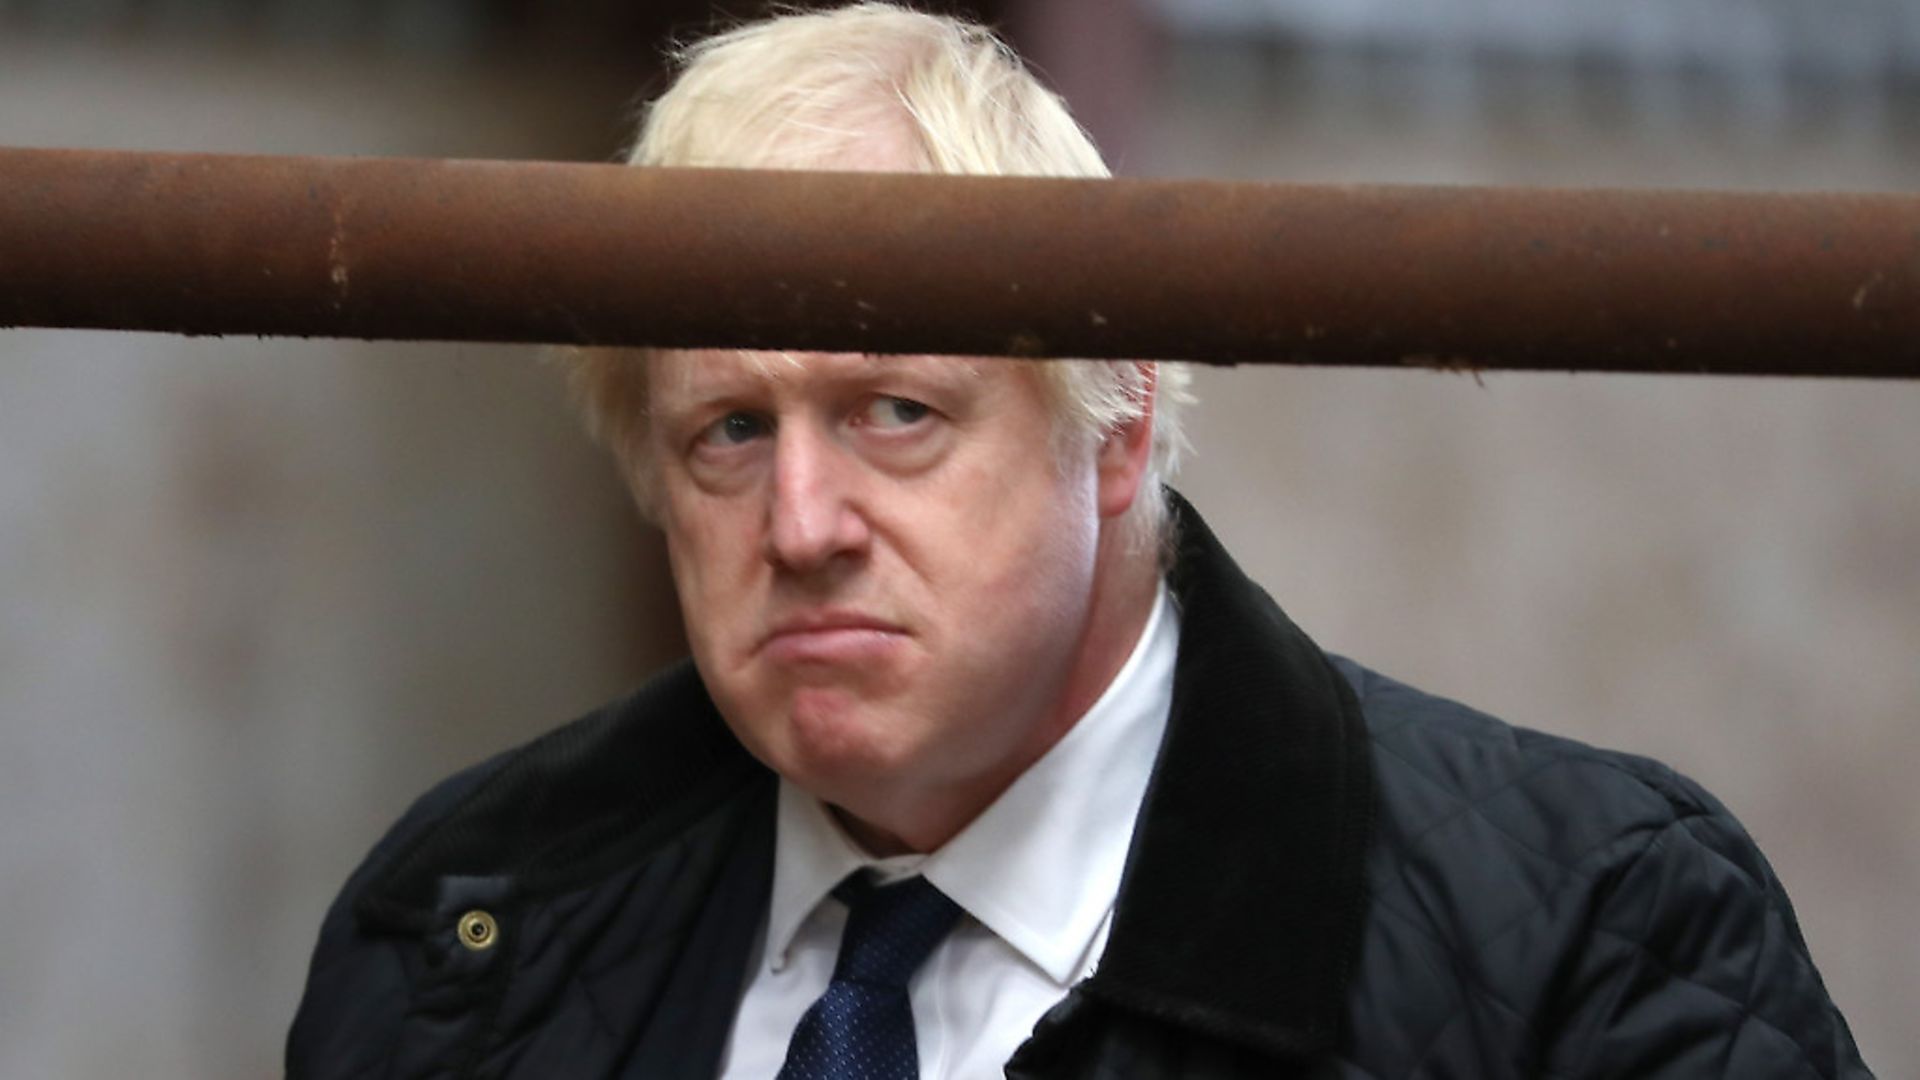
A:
(1451, 365)
(1866, 287)
(337, 271)
(1026, 345)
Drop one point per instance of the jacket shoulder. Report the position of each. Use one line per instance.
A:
(1604, 912)
(1437, 760)
(357, 983)
(599, 791)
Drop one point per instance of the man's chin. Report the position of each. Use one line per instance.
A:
(836, 736)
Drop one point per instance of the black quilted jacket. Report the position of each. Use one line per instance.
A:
(1335, 876)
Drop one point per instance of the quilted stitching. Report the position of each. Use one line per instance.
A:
(1771, 922)
(1419, 888)
(1746, 1016)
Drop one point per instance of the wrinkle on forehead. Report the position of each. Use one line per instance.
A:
(677, 372)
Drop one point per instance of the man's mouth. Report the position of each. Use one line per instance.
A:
(831, 636)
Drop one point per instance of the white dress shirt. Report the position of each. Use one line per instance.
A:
(1036, 875)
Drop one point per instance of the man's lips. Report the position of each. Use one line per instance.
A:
(831, 637)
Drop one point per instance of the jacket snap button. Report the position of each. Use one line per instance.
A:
(478, 931)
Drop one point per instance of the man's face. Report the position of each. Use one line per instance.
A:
(885, 569)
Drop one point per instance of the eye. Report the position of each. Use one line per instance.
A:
(893, 412)
(734, 429)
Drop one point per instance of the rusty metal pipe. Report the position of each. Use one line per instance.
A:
(1224, 273)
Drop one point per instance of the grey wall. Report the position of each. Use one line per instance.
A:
(254, 596)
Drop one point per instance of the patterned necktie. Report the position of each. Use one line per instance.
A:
(862, 1027)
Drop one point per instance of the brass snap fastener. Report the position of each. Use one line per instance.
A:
(478, 931)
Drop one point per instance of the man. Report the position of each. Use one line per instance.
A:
(988, 758)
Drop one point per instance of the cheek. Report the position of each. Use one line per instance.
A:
(1053, 509)
(1058, 574)
(709, 558)
(1027, 555)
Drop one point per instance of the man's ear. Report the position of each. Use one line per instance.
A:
(1124, 451)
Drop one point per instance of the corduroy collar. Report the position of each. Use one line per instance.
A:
(1240, 912)
(1242, 906)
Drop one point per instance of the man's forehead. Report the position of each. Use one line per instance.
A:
(695, 374)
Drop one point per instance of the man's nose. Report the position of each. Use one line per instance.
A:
(814, 515)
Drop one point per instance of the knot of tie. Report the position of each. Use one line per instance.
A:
(890, 929)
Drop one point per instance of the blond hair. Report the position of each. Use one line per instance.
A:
(880, 85)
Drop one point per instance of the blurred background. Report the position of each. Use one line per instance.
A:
(256, 595)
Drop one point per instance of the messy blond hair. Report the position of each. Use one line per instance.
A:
(877, 84)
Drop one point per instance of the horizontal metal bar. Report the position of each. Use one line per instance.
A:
(1467, 278)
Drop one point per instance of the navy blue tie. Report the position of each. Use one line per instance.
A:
(862, 1027)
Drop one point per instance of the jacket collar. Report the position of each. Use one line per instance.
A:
(1241, 909)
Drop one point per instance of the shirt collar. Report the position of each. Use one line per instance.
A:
(1041, 866)
(811, 854)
